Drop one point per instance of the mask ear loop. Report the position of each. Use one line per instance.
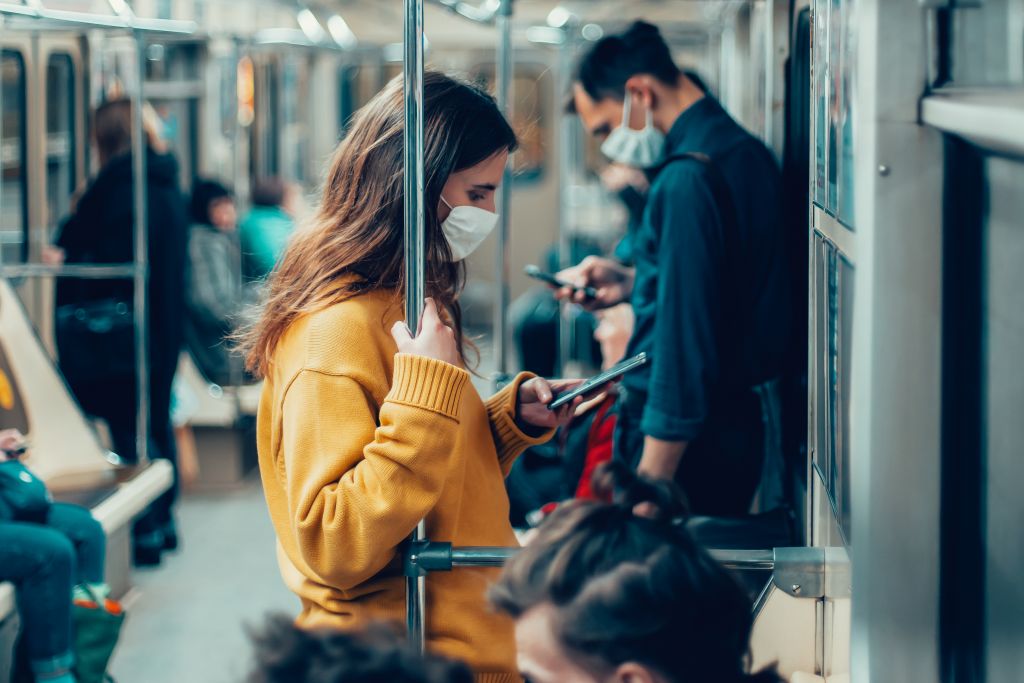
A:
(627, 106)
(649, 119)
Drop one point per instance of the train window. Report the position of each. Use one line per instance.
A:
(348, 95)
(14, 199)
(60, 136)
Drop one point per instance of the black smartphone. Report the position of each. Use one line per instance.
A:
(596, 381)
(549, 279)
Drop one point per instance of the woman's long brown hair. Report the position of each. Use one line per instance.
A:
(355, 241)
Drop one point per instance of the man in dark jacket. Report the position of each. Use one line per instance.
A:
(709, 286)
(100, 231)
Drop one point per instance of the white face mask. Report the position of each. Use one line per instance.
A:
(466, 228)
(638, 148)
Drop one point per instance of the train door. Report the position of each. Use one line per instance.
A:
(61, 159)
(15, 68)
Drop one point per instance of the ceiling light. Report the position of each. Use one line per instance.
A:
(559, 17)
(310, 25)
(341, 32)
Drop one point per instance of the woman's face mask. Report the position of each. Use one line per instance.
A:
(466, 228)
(642, 148)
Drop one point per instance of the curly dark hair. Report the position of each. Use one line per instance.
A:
(286, 653)
(627, 588)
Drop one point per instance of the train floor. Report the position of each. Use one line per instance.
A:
(187, 618)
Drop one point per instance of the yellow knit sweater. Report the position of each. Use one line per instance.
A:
(356, 445)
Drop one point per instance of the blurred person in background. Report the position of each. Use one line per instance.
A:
(216, 293)
(266, 229)
(95, 319)
(54, 555)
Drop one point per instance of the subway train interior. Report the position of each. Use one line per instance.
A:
(883, 544)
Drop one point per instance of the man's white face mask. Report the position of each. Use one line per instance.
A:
(642, 148)
(466, 228)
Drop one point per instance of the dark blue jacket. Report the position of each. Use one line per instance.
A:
(711, 297)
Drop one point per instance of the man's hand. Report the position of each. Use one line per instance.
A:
(613, 282)
(660, 460)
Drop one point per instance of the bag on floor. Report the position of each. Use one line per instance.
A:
(97, 623)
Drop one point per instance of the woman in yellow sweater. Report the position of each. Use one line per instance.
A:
(364, 429)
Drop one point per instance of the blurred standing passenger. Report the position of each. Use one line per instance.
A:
(100, 368)
(265, 231)
(216, 295)
(709, 286)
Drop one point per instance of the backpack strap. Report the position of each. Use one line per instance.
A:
(720, 192)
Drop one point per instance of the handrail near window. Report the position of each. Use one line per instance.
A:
(992, 118)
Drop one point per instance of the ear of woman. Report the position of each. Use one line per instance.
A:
(631, 672)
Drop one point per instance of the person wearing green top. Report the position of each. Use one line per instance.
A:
(265, 231)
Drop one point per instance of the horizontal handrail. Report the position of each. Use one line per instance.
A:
(99, 271)
(430, 556)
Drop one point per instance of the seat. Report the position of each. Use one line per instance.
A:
(224, 426)
(66, 452)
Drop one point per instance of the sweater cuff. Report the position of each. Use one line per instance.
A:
(428, 383)
(509, 439)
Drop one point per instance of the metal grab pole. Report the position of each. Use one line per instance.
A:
(503, 78)
(566, 174)
(141, 254)
(415, 254)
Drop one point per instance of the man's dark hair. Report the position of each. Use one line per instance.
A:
(286, 653)
(268, 192)
(614, 59)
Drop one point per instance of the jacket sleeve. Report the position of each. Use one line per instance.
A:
(685, 362)
(357, 486)
(509, 440)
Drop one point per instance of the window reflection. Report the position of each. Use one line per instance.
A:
(14, 199)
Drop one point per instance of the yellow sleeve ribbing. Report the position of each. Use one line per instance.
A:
(509, 440)
(355, 489)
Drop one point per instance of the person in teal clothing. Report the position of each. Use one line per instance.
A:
(265, 231)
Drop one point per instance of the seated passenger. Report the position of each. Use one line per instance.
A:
(52, 557)
(602, 594)
(286, 653)
(265, 231)
(216, 295)
(363, 428)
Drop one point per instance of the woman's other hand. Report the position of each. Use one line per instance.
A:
(532, 412)
(434, 339)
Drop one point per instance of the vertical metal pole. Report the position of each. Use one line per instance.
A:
(503, 78)
(769, 74)
(566, 165)
(415, 251)
(141, 244)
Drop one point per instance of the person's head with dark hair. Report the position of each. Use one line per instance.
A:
(269, 191)
(629, 81)
(212, 204)
(287, 654)
(603, 595)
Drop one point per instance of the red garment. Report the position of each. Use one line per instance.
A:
(599, 446)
